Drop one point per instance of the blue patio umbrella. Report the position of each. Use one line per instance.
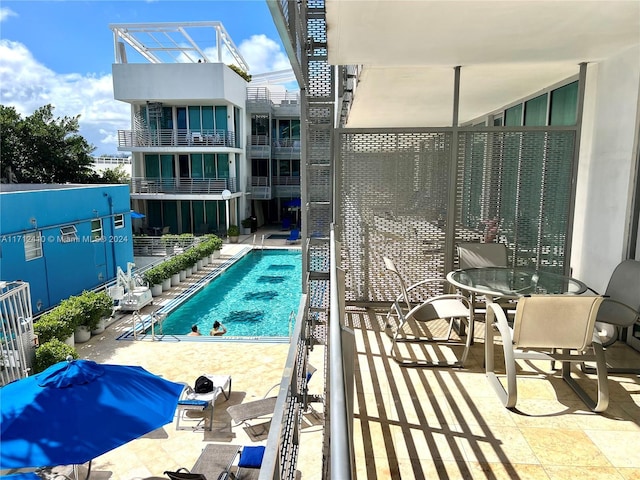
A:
(135, 214)
(77, 410)
(22, 476)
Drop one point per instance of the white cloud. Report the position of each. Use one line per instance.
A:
(263, 55)
(27, 85)
(6, 13)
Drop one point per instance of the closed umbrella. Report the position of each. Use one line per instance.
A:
(77, 410)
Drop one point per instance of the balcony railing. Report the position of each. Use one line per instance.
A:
(177, 138)
(209, 186)
(264, 95)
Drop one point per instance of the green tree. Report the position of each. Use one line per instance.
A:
(42, 149)
(114, 175)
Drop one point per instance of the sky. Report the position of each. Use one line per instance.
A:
(60, 53)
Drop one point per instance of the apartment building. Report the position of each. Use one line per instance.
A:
(208, 149)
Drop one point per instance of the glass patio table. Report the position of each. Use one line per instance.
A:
(513, 282)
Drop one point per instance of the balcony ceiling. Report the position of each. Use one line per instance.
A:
(507, 50)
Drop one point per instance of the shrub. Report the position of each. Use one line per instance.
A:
(191, 257)
(154, 276)
(172, 266)
(52, 352)
(169, 239)
(53, 326)
(233, 231)
(96, 306)
(165, 268)
(240, 72)
(186, 239)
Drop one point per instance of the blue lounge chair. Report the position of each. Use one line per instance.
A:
(294, 236)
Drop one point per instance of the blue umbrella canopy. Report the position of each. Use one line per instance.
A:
(77, 410)
(22, 476)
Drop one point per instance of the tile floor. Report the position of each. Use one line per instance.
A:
(410, 423)
(448, 422)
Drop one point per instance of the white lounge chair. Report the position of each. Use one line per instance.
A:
(190, 401)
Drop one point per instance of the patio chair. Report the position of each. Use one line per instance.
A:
(213, 463)
(294, 236)
(249, 463)
(244, 413)
(553, 324)
(451, 307)
(190, 401)
(479, 255)
(621, 306)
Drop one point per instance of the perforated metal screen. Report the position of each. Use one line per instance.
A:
(393, 200)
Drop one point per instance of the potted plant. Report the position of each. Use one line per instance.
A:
(233, 232)
(191, 260)
(246, 226)
(77, 313)
(52, 352)
(170, 241)
(154, 277)
(216, 245)
(52, 325)
(97, 307)
(185, 239)
(173, 267)
(165, 268)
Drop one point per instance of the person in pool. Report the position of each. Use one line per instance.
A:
(194, 332)
(218, 329)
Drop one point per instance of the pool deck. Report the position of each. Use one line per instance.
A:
(254, 367)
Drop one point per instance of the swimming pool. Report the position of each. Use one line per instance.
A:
(253, 298)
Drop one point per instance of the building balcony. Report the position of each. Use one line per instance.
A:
(182, 186)
(186, 138)
(266, 188)
(279, 104)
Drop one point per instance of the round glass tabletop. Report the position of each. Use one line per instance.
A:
(508, 282)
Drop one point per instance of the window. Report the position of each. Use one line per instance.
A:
(96, 230)
(535, 111)
(513, 116)
(118, 221)
(68, 234)
(32, 246)
(564, 105)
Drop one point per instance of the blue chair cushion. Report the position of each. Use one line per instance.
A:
(197, 403)
(251, 457)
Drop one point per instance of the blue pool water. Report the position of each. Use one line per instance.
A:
(253, 298)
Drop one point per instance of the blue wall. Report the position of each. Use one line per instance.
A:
(66, 268)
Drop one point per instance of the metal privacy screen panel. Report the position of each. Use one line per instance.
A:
(394, 199)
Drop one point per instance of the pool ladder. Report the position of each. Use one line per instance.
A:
(155, 317)
(261, 242)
